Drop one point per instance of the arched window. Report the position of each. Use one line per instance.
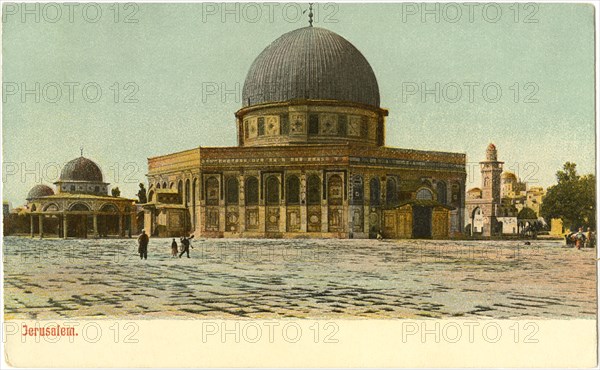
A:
(375, 191)
(231, 191)
(391, 191)
(272, 190)
(212, 191)
(357, 189)
(50, 208)
(334, 190)
(150, 196)
(194, 192)
(109, 208)
(313, 190)
(158, 185)
(424, 194)
(165, 185)
(79, 207)
(442, 192)
(251, 191)
(187, 192)
(456, 194)
(292, 190)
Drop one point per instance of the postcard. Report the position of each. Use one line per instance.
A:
(279, 185)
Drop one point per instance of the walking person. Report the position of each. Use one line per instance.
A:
(185, 245)
(590, 238)
(579, 238)
(143, 240)
(173, 248)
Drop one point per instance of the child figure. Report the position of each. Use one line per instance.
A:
(173, 248)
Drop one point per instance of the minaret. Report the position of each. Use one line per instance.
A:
(491, 173)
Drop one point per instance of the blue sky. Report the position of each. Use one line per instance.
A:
(169, 77)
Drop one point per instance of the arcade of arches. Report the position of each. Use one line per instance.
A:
(82, 218)
(279, 201)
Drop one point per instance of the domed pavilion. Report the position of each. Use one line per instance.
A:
(80, 206)
(311, 159)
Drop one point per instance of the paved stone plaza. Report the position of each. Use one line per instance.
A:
(254, 278)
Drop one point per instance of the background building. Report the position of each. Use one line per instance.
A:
(498, 207)
(483, 204)
(311, 159)
(80, 206)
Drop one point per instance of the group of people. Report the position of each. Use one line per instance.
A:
(185, 241)
(185, 246)
(580, 239)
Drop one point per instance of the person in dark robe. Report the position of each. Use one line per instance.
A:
(174, 248)
(143, 241)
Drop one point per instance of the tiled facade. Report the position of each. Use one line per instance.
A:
(316, 191)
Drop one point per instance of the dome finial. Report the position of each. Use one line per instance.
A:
(81, 150)
(310, 14)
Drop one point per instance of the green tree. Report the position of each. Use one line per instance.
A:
(115, 192)
(572, 199)
(527, 214)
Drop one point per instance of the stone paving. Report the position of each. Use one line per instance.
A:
(255, 278)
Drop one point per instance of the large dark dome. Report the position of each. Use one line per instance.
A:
(39, 191)
(81, 169)
(311, 63)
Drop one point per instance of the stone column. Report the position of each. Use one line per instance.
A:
(262, 217)
(324, 216)
(346, 219)
(202, 219)
(323, 202)
(303, 204)
(121, 225)
(31, 225)
(242, 203)
(366, 203)
(461, 206)
(96, 226)
(148, 215)
(262, 213)
(65, 225)
(222, 216)
(282, 216)
(348, 214)
(41, 225)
